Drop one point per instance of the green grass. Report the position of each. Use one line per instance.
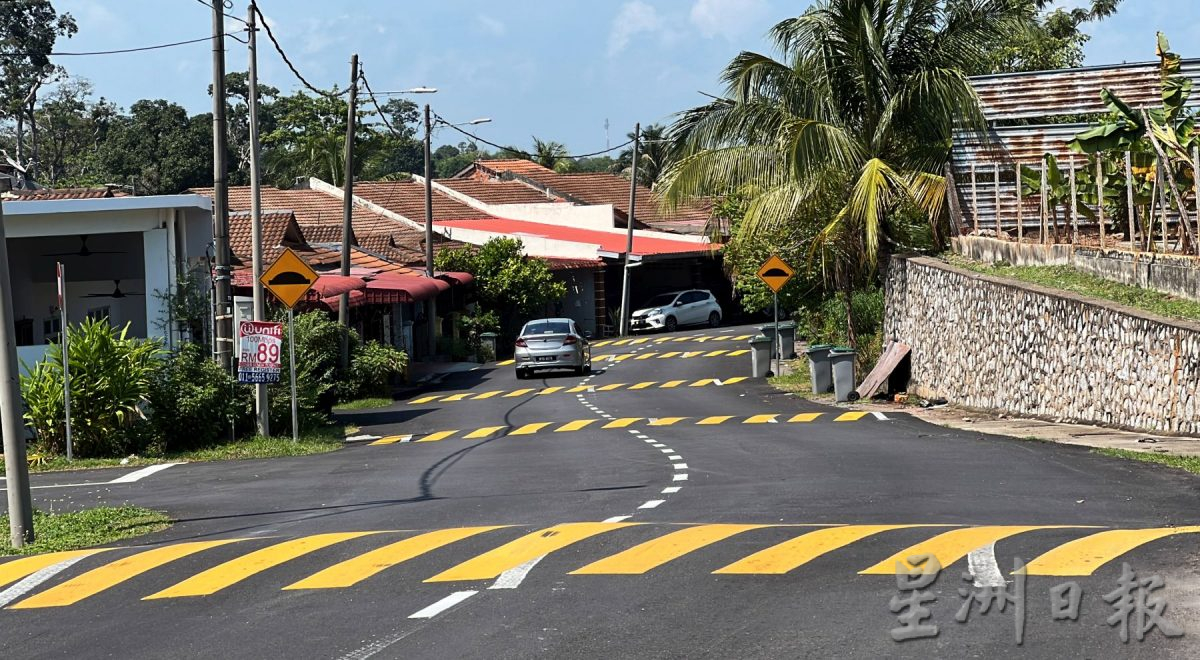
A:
(317, 442)
(1069, 279)
(797, 382)
(362, 404)
(55, 532)
(1189, 463)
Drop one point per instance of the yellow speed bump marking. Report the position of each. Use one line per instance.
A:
(642, 386)
(718, 419)
(646, 356)
(235, 570)
(579, 388)
(952, 546)
(622, 358)
(457, 397)
(114, 573)
(761, 419)
(505, 363)
(741, 351)
(483, 432)
(440, 435)
(491, 564)
(610, 387)
(391, 439)
(622, 422)
(804, 417)
(689, 354)
(668, 354)
(486, 395)
(575, 425)
(352, 571)
(19, 569)
(666, 421)
(550, 390)
(1083, 556)
(702, 382)
(656, 552)
(672, 383)
(523, 390)
(850, 417)
(530, 429)
(786, 556)
(735, 379)
(598, 344)
(716, 353)
(425, 399)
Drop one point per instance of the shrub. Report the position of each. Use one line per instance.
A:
(371, 370)
(110, 381)
(193, 401)
(825, 323)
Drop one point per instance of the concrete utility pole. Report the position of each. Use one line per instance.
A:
(260, 303)
(431, 304)
(629, 222)
(223, 323)
(348, 208)
(12, 426)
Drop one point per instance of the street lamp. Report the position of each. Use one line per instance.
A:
(432, 311)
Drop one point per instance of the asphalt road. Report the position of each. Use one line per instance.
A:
(661, 508)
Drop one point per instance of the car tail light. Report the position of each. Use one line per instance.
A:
(571, 339)
(521, 343)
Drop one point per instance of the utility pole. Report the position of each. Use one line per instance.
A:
(260, 304)
(12, 424)
(629, 222)
(223, 305)
(348, 209)
(431, 304)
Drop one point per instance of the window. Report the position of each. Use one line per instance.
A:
(661, 300)
(546, 328)
(692, 297)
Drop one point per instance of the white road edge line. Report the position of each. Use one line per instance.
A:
(361, 438)
(615, 519)
(138, 475)
(30, 583)
(879, 415)
(442, 605)
(513, 577)
(651, 504)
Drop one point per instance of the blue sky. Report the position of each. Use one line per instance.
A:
(552, 68)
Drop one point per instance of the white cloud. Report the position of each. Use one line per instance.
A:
(634, 18)
(490, 25)
(726, 18)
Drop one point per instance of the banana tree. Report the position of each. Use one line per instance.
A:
(1162, 136)
(1057, 191)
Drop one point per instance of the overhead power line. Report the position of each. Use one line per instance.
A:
(523, 153)
(362, 75)
(288, 62)
(113, 52)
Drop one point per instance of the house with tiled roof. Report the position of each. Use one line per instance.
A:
(388, 289)
(121, 256)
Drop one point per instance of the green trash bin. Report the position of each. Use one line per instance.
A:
(841, 362)
(818, 368)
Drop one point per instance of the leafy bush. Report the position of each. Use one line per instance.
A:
(372, 367)
(508, 283)
(825, 323)
(193, 401)
(111, 378)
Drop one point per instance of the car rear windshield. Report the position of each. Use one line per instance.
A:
(661, 300)
(546, 328)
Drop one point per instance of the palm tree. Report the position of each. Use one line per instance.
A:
(654, 156)
(850, 128)
(547, 153)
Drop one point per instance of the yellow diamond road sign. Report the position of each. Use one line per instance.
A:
(775, 273)
(289, 278)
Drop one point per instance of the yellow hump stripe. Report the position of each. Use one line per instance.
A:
(1083, 556)
(19, 569)
(789, 555)
(235, 570)
(952, 546)
(656, 552)
(352, 571)
(491, 564)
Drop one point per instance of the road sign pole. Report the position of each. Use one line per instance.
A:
(66, 363)
(775, 344)
(292, 361)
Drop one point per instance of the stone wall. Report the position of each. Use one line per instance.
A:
(991, 343)
(1178, 275)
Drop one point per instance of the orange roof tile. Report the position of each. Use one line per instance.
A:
(407, 198)
(499, 192)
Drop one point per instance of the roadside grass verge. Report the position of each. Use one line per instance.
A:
(321, 441)
(1189, 463)
(796, 382)
(73, 530)
(1069, 279)
(363, 404)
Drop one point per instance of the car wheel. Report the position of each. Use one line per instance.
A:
(579, 371)
(714, 320)
(671, 324)
(522, 374)
(587, 368)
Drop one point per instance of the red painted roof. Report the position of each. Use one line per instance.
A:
(608, 241)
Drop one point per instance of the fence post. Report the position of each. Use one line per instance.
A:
(1074, 207)
(1020, 204)
(1129, 200)
(1196, 192)
(974, 199)
(1042, 199)
(1100, 196)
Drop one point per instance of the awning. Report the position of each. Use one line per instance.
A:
(357, 298)
(456, 278)
(328, 285)
(392, 289)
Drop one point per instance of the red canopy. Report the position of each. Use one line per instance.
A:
(334, 302)
(457, 278)
(328, 285)
(391, 288)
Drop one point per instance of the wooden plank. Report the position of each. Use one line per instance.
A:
(893, 353)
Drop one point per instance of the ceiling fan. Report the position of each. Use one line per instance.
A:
(117, 292)
(83, 250)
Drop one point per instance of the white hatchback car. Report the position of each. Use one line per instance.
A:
(668, 311)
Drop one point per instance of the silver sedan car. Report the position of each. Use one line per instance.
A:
(552, 344)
